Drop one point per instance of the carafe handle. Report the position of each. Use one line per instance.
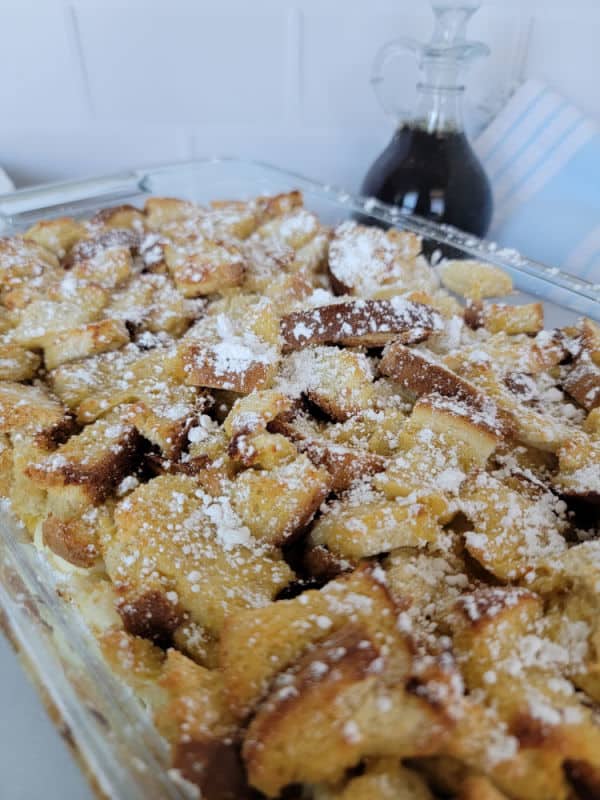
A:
(391, 51)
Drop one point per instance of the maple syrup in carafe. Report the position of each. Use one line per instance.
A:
(429, 167)
(435, 175)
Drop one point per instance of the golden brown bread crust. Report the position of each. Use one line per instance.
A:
(200, 366)
(96, 477)
(71, 540)
(419, 373)
(215, 767)
(151, 615)
(370, 323)
(344, 464)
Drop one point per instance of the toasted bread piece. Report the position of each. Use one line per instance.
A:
(338, 381)
(162, 210)
(260, 449)
(195, 720)
(582, 382)
(171, 520)
(579, 468)
(204, 266)
(419, 372)
(476, 426)
(424, 475)
(345, 464)
(353, 713)
(478, 787)
(255, 411)
(368, 261)
(92, 387)
(137, 662)
(512, 531)
(236, 350)
(17, 363)
(42, 320)
(125, 216)
(294, 229)
(102, 240)
(150, 302)
(25, 266)
(503, 353)
(30, 410)
(109, 267)
(370, 323)
(431, 581)
(280, 632)
(57, 235)
(541, 708)
(497, 317)
(481, 742)
(477, 618)
(90, 464)
(86, 340)
(475, 279)
(74, 530)
(383, 779)
(364, 523)
(242, 365)
(590, 338)
(277, 504)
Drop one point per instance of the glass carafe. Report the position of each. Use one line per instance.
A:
(429, 167)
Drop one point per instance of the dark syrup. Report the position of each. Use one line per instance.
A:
(434, 175)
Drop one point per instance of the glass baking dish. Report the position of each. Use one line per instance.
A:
(112, 735)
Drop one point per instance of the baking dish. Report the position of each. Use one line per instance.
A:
(114, 739)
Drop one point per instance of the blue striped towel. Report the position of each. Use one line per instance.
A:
(543, 159)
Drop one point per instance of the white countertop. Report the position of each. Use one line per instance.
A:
(34, 760)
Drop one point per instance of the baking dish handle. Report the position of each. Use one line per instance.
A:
(25, 206)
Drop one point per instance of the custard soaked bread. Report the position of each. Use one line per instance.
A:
(336, 529)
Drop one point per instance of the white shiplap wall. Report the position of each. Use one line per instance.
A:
(89, 86)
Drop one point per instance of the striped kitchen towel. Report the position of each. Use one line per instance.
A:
(542, 156)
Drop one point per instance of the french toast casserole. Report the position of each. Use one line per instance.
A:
(336, 528)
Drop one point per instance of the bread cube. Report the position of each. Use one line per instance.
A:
(87, 340)
(383, 779)
(278, 504)
(582, 382)
(150, 302)
(352, 712)
(339, 382)
(42, 320)
(367, 260)
(345, 465)
(25, 266)
(125, 216)
(236, 349)
(160, 211)
(579, 468)
(258, 644)
(56, 235)
(17, 363)
(89, 465)
(512, 531)
(366, 523)
(497, 317)
(474, 279)
(196, 722)
(30, 410)
(180, 553)
(370, 323)
(204, 267)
